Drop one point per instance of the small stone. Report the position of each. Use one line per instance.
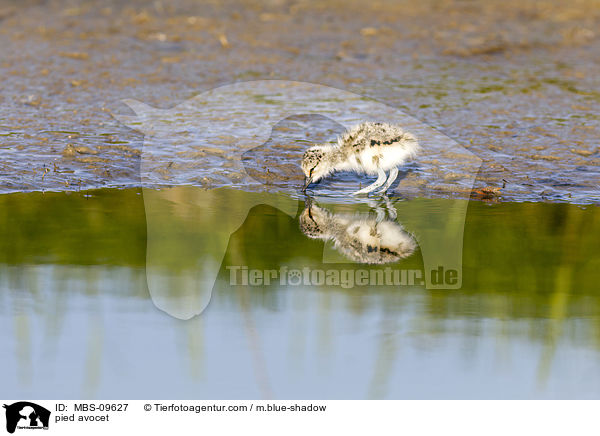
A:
(582, 152)
(368, 31)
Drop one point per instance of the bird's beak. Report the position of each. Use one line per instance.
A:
(308, 202)
(307, 182)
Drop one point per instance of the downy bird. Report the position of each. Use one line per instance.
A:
(364, 238)
(371, 148)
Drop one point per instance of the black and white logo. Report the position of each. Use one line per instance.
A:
(26, 415)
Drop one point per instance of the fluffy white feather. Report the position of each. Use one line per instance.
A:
(370, 148)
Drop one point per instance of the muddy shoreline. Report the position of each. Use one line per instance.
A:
(515, 83)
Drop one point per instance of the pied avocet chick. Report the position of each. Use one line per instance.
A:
(371, 148)
(364, 238)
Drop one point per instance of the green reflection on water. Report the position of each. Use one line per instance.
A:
(543, 255)
(534, 267)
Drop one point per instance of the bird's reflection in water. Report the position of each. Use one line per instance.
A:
(373, 237)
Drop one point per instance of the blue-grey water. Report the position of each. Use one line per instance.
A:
(79, 317)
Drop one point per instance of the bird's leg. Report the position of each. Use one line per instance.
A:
(379, 211)
(380, 214)
(376, 184)
(391, 210)
(390, 180)
(372, 203)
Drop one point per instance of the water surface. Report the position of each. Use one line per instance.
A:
(77, 318)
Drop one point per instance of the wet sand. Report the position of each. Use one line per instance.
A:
(515, 82)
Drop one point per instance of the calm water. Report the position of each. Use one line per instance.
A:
(93, 286)
(128, 293)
